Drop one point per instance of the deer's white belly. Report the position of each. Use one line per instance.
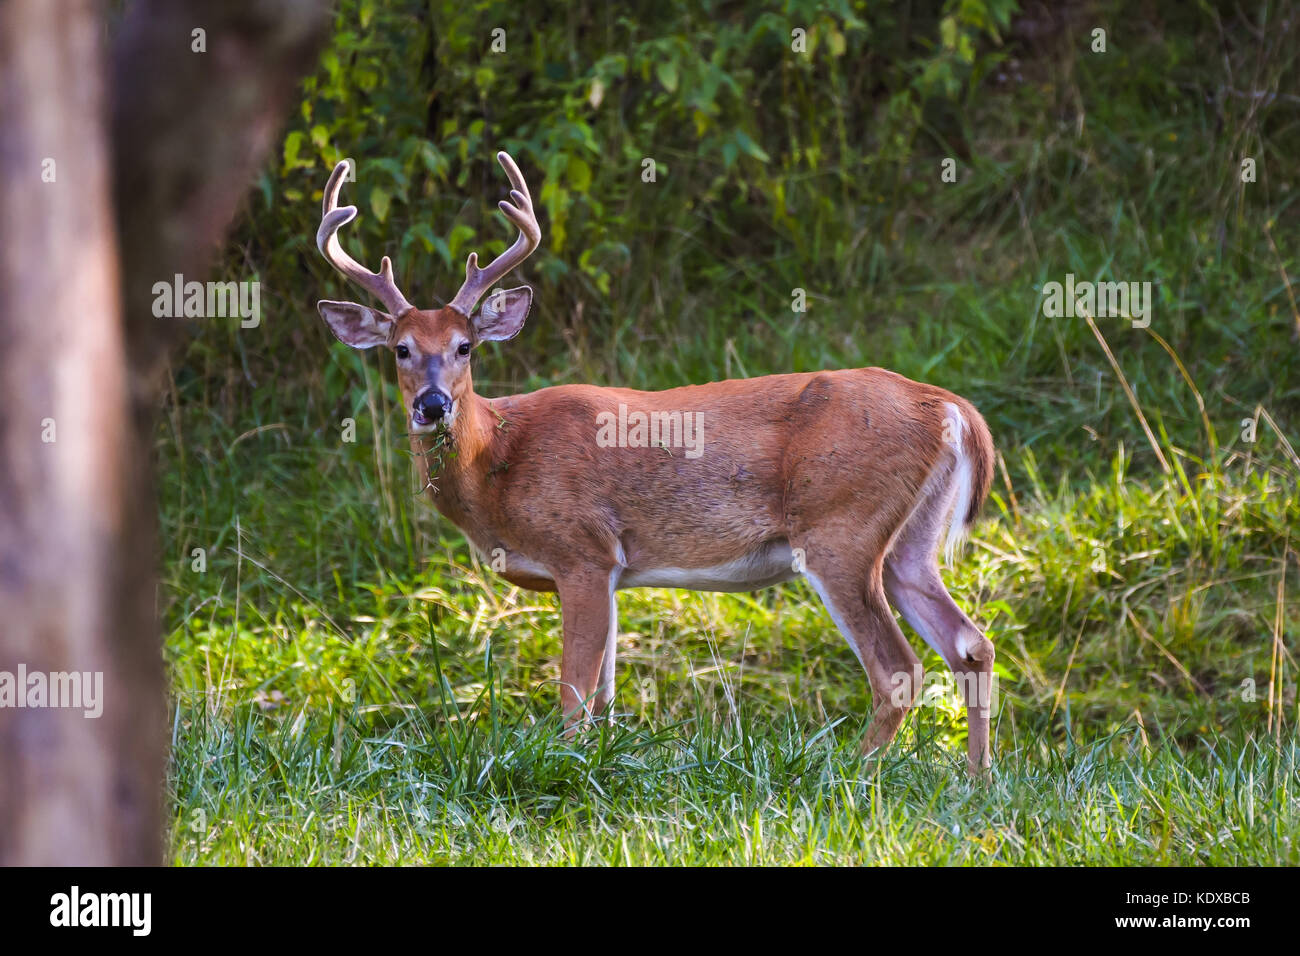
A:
(769, 564)
(766, 565)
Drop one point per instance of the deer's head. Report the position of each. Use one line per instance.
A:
(432, 346)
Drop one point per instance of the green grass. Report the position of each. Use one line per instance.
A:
(350, 685)
(321, 790)
(381, 709)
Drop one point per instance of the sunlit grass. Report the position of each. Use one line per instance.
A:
(298, 789)
(401, 711)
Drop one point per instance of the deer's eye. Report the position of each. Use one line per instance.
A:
(402, 352)
(464, 349)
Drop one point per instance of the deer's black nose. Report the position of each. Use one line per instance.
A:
(432, 405)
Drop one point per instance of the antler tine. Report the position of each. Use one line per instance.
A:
(333, 217)
(520, 212)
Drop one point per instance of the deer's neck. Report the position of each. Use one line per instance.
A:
(457, 462)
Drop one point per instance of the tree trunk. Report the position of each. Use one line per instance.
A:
(73, 788)
(79, 376)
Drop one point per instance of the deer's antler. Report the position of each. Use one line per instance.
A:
(379, 284)
(520, 212)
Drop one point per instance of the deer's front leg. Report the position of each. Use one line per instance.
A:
(590, 623)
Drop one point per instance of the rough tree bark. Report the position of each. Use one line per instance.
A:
(80, 359)
(67, 792)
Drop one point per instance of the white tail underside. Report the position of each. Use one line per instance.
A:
(960, 483)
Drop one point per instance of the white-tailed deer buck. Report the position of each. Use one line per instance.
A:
(852, 478)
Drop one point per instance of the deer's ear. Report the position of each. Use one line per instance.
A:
(502, 314)
(356, 325)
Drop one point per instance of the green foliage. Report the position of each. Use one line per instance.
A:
(759, 151)
(777, 170)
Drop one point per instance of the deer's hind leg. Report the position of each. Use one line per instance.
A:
(854, 594)
(916, 589)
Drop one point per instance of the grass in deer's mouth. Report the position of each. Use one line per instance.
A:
(436, 448)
